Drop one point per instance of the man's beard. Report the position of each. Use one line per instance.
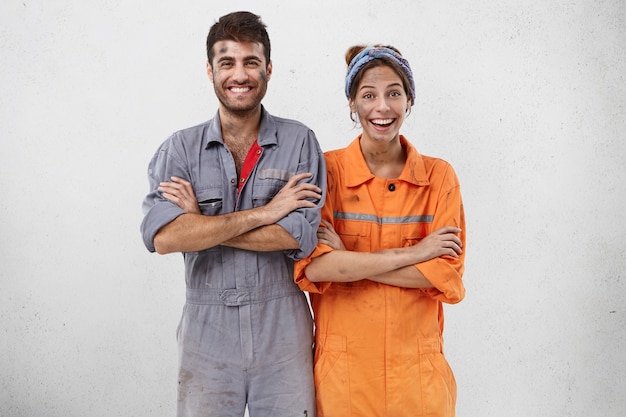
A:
(238, 108)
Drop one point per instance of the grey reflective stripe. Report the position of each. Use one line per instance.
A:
(424, 218)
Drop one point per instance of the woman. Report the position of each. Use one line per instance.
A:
(390, 252)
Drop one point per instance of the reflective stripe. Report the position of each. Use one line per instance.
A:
(425, 218)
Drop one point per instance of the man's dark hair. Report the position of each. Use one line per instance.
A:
(238, 27)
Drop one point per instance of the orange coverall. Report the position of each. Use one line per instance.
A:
(379, 347)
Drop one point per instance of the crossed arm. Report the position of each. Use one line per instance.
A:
(391, 266)
(252, 229)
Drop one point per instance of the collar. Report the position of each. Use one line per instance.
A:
(268, 134)
(414, 171)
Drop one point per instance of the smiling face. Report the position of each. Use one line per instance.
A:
(381, 104)
(239, 75)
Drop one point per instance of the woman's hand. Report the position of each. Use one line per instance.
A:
(327, 235)
(442, 242)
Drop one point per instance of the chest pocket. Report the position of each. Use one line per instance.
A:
(412, 233)
(267, 183)
(355, 235)
(210, 200)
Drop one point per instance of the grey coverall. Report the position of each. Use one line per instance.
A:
(246, 333)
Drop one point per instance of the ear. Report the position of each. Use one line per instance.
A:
(352, 106)
(269, 70)
(209, 71)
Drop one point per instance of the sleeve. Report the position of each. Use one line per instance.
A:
(157, 210)
(446, 272)
(299, 266)
(302, 224)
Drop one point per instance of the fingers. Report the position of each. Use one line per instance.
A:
(302, 195)
(322, 232)
(453, 245)
(448, 229)
(321, 236)
(327, 235)
(454, 250)
(181, 193)
(291, 197)
(294, 183)
(442, 242)
(178, 186)
(179, 180)
(297, 178)
(177, 183)
(328, 225)
(450, 233)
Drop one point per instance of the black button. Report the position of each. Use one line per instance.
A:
(391, 187)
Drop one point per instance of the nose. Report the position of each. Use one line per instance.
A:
(382, 105)
(240, 74)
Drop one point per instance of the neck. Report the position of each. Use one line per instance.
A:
(385, 160)
(240, 126)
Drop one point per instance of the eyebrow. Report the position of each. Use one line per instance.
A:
(245, 59)
(392, 85)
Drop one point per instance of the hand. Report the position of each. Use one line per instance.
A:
(441, 242)
(327, 235)
(180, 192)
(292, 197)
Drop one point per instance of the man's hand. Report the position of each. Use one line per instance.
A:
(180, 192)
(327, 235)
(291, 197)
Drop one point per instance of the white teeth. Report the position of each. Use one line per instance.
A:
(239, 90)
(382, 121)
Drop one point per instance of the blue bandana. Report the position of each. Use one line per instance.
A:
(371, 53)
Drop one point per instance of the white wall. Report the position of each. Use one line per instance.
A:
(527, 99)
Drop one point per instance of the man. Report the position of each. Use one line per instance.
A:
(245, 336)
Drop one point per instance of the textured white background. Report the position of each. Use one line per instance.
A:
(527, 100)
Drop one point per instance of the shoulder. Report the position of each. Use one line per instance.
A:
(190, 137)
(290, 134)
(196, 132)
(434, 170)
(431, 163)
(349, 156)
(438, 164)
(335, 154)
(440, 171)
(285, 126)
(435, 162)
(334, 158)
(288, 123)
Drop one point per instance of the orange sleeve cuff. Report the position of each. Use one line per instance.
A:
(445, 275)
(300, 277)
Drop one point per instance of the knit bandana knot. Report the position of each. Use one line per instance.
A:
(371, 53)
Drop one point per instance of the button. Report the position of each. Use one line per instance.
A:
(232, 181)
(242, 179)
(391, 187)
